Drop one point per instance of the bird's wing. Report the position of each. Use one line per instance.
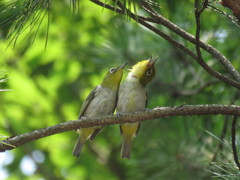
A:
(87, 101)
(146, 101)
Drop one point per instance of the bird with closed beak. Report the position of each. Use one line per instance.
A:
(101, 101)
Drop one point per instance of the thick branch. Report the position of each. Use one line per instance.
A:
(159, 112)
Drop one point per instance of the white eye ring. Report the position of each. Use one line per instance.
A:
(149, 72)
(112, 70)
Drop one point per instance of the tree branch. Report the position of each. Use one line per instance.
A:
(223, 134)
(192, 54)
(157, 18)
(159, 112)
(199, 59)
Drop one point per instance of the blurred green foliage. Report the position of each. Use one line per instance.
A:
(49, 85)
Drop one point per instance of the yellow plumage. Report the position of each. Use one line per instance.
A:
(139, 68)
(132, 97)
(101, 101)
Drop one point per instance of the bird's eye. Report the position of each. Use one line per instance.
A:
(112, 70)
(149, 72)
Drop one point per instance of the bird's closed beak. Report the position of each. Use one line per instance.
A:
(152, 61)
(122, 66)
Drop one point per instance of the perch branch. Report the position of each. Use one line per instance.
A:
(159, 112)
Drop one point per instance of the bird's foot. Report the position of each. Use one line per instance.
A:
(146, 109)
(118, 114)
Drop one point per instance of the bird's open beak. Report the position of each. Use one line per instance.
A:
(122, 66)
(152, 61)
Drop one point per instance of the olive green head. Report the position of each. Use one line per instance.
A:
(114, 76)
(144, 71)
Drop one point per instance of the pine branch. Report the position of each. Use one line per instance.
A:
(158, 112)
(25, 16)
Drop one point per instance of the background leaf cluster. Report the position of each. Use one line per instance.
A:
(49, 85)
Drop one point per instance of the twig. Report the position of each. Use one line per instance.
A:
(199, 54)
(105, 5)
(198, 29)
(225, 128)
(234, 148)
(233, 19)
(159, 112)
(223, 134)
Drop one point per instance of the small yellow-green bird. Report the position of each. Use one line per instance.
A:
(102, 100)
(132, 97)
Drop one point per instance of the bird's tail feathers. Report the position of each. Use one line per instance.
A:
(78, 147)
(126, 147)
(94, 134)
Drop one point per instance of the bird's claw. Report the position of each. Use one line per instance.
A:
(146, 109)
(118, 114)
